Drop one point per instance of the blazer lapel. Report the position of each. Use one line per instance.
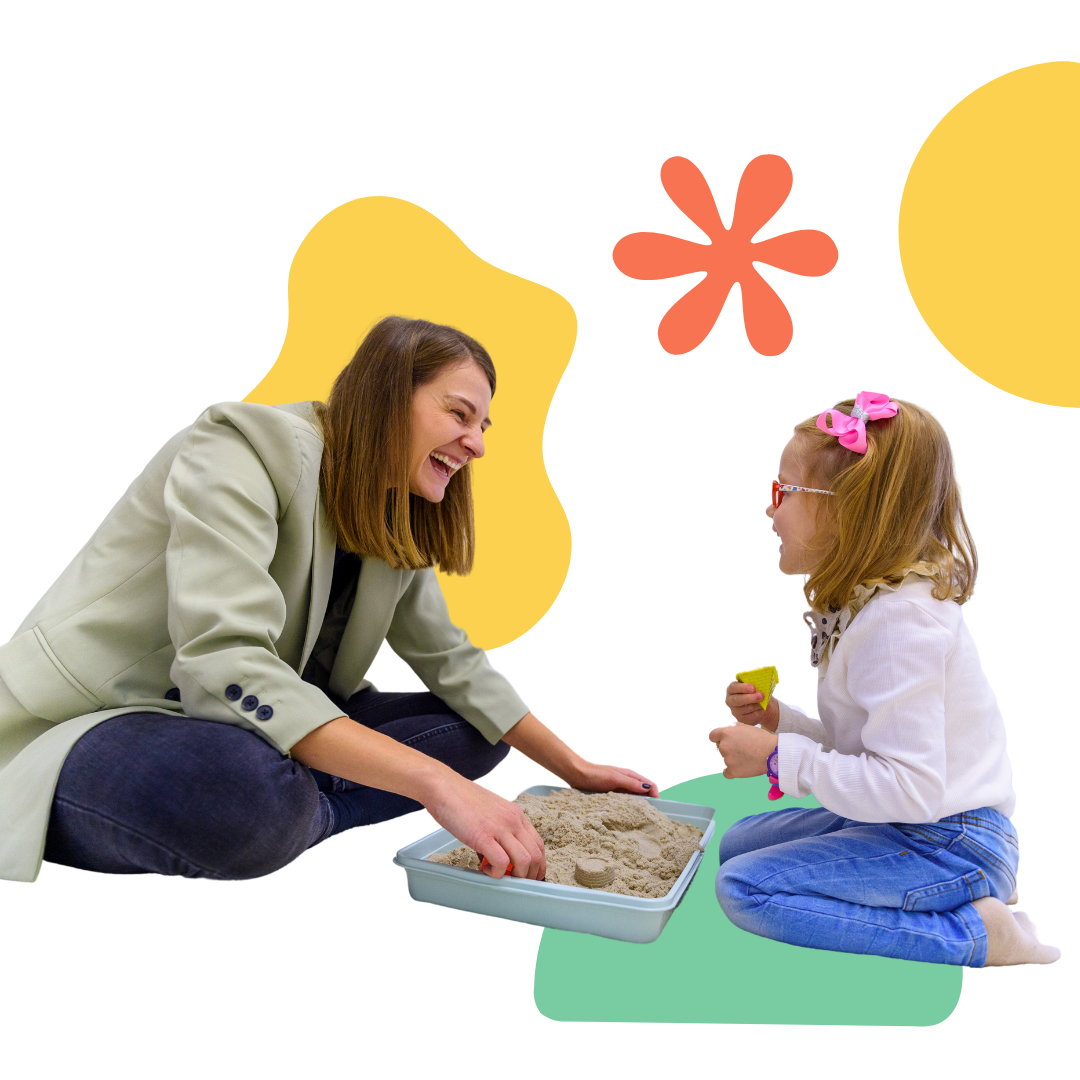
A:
(324, 545)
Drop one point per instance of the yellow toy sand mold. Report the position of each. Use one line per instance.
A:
(762, 679)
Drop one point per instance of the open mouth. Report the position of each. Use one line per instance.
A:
(444, 465)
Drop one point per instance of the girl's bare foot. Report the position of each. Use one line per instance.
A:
(1011, 938)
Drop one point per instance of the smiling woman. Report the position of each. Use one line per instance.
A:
(444, 411)
(411, 392)
(189, 696)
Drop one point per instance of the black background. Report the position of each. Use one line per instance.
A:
(154, 283)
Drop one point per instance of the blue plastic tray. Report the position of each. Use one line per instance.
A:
(543, 903)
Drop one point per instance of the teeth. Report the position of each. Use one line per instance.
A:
(448, 461)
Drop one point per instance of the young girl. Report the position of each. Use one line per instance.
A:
(913, 855)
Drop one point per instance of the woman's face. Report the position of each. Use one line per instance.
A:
(449, 418)
(795, 519)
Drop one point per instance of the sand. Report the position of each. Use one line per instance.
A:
(621, 839)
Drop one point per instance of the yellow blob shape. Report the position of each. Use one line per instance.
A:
(990, 230)
(376, 257)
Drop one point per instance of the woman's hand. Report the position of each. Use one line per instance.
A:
(491, 826)
(545, 748)
(745, 749)
(590, 777)
(745, 705)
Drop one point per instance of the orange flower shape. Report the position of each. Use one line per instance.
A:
(764, 186)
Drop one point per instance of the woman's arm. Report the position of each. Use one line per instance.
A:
(491, 826)
(545, 748)
(354, 752)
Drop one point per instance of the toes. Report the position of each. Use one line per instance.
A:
(1046, 954)
(1027, 926)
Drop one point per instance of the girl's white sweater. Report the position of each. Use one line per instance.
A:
(910, 730)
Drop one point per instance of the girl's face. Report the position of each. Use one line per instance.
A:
(449, 418)
(795, 519)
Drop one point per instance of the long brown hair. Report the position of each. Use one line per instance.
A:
(896, 505)
(365, 463)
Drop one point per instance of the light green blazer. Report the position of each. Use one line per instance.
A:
(213, 571)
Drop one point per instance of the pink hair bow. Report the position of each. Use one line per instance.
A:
(851, 430)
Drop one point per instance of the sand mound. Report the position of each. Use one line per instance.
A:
(644, 849)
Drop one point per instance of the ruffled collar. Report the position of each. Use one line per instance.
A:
(826, 628)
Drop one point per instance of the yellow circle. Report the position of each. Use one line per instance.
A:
(990, 232)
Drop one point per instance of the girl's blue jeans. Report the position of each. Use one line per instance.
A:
(146, 793)
(811, 878)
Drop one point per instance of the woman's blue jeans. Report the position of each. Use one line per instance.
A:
(811, 878)
(149, 793)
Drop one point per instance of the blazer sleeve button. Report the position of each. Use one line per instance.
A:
(263, 712)
(233, 692)
(249, 703)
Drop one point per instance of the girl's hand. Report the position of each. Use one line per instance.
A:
(745, 705)
(590, 777)
(745, 749)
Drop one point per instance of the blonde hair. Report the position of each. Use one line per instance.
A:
(894, 506)
(365, 462)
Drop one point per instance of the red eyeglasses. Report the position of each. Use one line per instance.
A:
(780, 490)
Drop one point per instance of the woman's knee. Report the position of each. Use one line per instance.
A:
(248, 830)
(260, 826)
(485, 758)
(172, 795)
